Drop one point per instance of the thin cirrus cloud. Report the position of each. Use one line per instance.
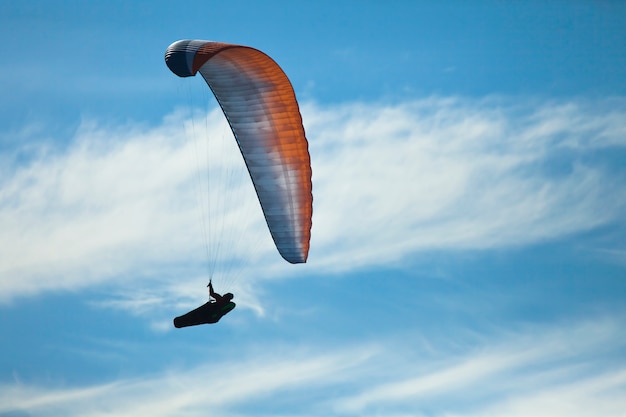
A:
(185, 392)
(571, 369)
(390, 180)
(454, 174)
(519, 367)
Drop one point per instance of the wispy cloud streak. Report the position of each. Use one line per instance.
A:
(573, 370)
(528, 363)
(216, 387)
(121, 204)
(452, 174)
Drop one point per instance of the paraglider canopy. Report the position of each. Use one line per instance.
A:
(261, 108)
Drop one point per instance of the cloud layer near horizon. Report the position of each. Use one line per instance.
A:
(389, 181)
(572, 370)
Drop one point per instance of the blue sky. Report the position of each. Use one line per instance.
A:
(468, 252)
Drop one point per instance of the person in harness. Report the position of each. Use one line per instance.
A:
(211, 312)
(219, 299)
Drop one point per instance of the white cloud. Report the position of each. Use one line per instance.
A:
(120, 204)
(575, 370)
(117, 204)
(451, 174)
(213, 386)
(601, 395)
(526, 364)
